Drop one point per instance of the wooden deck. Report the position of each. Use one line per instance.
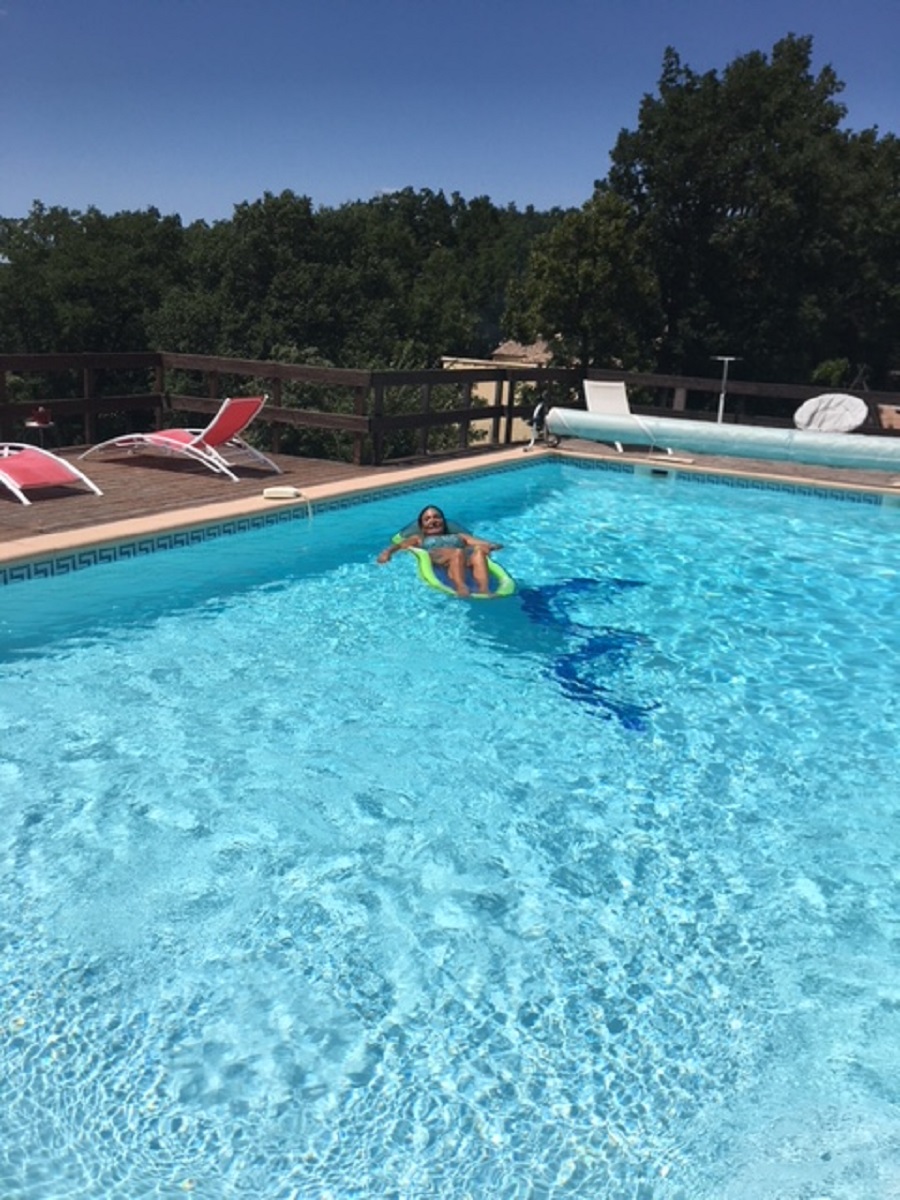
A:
(148, 486)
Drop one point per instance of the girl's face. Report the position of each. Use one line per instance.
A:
(432, 521)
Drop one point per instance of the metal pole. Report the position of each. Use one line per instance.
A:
(724, 359)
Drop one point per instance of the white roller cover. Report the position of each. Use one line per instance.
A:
(733, 441)
(833, 412)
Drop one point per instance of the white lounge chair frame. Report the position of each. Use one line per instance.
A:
(208, 446)
(609, 398)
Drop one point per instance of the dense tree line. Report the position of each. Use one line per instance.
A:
(739, 217)
(395, 281)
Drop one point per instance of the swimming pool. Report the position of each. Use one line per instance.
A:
(318, 883)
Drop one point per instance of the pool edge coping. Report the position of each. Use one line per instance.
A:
(41, 547)
(46, 545)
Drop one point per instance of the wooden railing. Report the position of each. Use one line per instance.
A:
(382, 414)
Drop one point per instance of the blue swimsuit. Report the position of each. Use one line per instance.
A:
(443, 541)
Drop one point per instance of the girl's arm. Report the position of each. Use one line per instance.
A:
(389, 551)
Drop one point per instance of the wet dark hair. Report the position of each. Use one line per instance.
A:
(431, 508)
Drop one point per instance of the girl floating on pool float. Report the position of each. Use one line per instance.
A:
(452, 551)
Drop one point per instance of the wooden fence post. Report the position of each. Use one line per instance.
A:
(426, 409)
(359, 410)
(274, 428)
(498, 413)
(466, 421)
(5, 415)
(377, 414)
(510, 401)
(88, 388)
(159, 381)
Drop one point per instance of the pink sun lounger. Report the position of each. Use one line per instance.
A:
(24, 467)
(219, 446)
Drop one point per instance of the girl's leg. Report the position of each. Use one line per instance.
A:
(479, 564)
(454, 562)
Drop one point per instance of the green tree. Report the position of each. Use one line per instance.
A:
(405, 277)
(862, 298)
(84, 281)
(759, 215)
(590, 288)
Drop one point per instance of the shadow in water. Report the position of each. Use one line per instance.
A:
(543, 623)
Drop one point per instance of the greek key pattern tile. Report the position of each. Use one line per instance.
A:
(90, 556)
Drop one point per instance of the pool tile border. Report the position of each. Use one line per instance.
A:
(763, 484)
(82, 557)
(64, 563)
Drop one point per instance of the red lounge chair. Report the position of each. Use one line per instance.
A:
(217, 446)
(23, 467)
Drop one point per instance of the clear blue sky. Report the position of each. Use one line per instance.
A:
(193, 106)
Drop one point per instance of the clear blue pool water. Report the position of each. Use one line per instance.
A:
(317, 883)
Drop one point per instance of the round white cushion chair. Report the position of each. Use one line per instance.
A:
(833, 412)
